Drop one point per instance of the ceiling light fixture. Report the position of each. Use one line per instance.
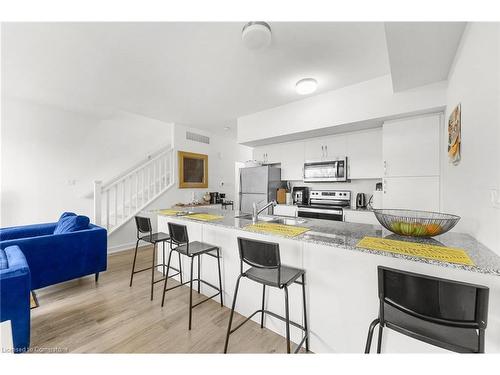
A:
(256, 35)
(226, 128)
(306, 86)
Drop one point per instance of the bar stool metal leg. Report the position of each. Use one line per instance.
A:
(305, 311)
(163, 258)
(180, 266)
(263, 305)
(153, 271)
(220, 277)
(199, 266)
(133, 264)
(370, 335)
(287, 318)
(166, 279)
(232, 313)
(191, 293)
(379, 343)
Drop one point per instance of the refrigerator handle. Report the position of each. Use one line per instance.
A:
(239, 209)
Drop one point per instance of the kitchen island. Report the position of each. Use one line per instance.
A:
(341, 278)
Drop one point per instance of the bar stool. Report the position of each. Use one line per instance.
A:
(266, 269)
(444, 313)
(179, 238)
(143, 225)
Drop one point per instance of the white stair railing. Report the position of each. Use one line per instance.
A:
(118, 202)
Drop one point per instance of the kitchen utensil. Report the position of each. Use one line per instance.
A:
(281, 196)
(416, 223)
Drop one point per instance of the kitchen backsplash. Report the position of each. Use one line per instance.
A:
(355, 186)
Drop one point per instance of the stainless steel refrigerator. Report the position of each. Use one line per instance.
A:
(259, 185)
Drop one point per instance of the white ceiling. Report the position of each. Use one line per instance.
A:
(421, 52)
(193, 73)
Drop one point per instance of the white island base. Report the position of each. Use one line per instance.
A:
(341, 290)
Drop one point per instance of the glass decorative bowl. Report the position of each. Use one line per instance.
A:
(416, 223)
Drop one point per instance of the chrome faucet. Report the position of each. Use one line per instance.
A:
(255, 213)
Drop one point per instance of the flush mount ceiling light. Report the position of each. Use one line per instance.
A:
(256, 35)
(306, 86)
(226, 128)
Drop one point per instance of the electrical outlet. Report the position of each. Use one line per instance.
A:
(495, 198)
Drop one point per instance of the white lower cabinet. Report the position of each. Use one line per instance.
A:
(360, 217)
(285, 210)
(412, 193)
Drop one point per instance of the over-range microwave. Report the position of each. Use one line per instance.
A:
(326, 171)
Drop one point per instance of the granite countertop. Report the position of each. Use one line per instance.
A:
(346, 235)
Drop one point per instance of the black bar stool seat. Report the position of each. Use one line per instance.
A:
(195, 248)
(155, 237)
(266, 269)
(445, 313)
(288, 275)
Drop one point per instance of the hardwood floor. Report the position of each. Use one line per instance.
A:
(110, 317)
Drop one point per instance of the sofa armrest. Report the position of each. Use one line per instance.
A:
(59, 257)
(15, 297)
(26, 231)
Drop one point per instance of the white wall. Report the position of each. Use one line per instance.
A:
(222, 153)
(474, 82)
(45, 149)
(369, 100)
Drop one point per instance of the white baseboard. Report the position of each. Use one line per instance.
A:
(123, 247)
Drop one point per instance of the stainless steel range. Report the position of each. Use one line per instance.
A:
(326, 204)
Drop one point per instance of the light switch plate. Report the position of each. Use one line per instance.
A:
(495, 198)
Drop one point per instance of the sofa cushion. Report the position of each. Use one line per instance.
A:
(71, 223)
(64, 216)
(3, 260)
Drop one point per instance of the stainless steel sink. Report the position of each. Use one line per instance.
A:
(259, 218)
(274, 219)
(289, 221)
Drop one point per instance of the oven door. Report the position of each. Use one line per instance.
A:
(336, 214)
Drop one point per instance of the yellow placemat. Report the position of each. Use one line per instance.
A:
(441, 253)
(205, 217)
(273, 228)
(169, 212)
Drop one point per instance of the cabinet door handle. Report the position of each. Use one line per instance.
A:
(385, 168)
(322, 152)
(385, 186)
(326, 152)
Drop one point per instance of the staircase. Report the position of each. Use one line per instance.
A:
(120, 200)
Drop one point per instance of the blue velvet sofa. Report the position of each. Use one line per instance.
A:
(15, 295)
(54, 258)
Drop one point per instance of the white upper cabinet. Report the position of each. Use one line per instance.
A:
(327, 148)
(292, 161)
(411, 146)
(364, 152)
(336, 147)
(268, 154)
(314, 150)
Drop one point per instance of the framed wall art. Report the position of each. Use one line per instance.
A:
(193, 170)
(455, 135)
